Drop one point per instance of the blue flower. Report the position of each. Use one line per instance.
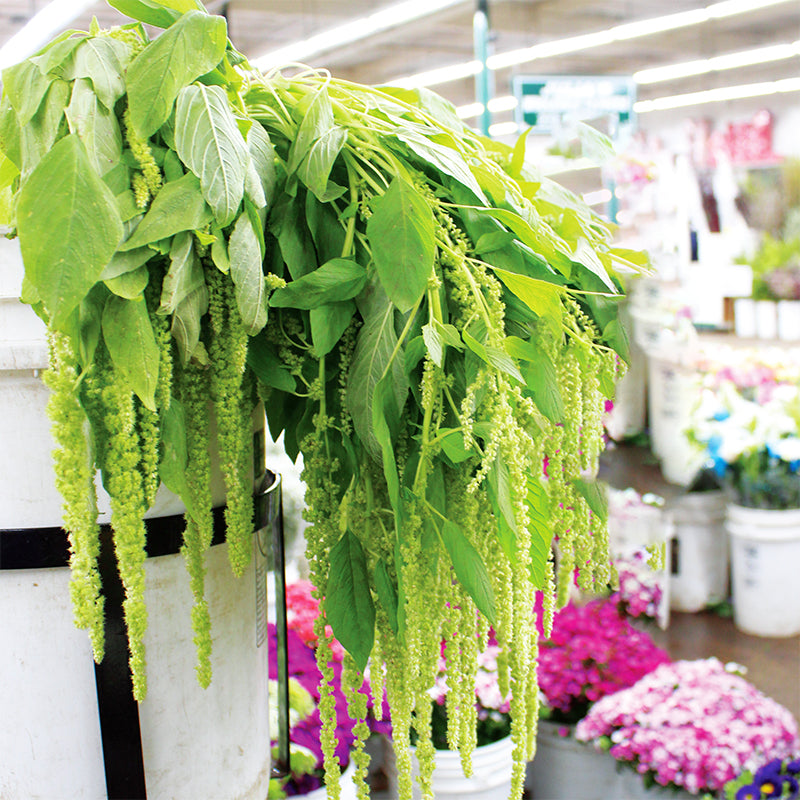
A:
(793, 767)
(721, 415)
(770, 771)
(749, 791)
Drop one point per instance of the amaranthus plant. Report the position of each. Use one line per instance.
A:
(421, 315)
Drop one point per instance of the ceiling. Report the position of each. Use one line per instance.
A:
(446, 37)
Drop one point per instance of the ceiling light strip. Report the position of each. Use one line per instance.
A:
(574, 44)
(349, 32)
(41, 27)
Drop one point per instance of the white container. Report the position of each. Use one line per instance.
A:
(491, 779)
(766, 319)
(744, 317)
(765, 553)
(789, 320)
(195, 743)
(698, 551)
(347, 783)
(673, 391)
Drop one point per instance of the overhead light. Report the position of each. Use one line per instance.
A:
(40, 28)
(349, 32)
(503, 129)
(597, 197)
(574, 44)
(744, 58)
(718, 95)
(496, 105)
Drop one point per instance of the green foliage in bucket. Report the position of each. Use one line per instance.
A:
(424, 319)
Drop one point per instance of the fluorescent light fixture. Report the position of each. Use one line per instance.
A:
(718, 95)
(496, 105)
(434, 77)
(743, 58)
(597, 197)
(40, 28)
(574, 44)
(349, 32)
(503, 129)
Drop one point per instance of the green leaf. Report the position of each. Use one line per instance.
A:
(492, 356)
(585, 254)
(541, 380)
(315, 169)
(40, 134)
(186, 323)
(336, 280)
(209, 143)
(316, 122)
(501, 492)
(96, 126)
(56, 57)
(452, 442)
(175, 453)
(125, 262)
(266, 365)
(194, 45)
(387, 593)
(372, 356)
(518, 155)
(130, 284)
(132, 346)
(185, 273)
(179, 206)
(68, 227)
(496, 240)
(385, 415)
(101, 60)
(402, 235)
(151, 12)
(288, 225)
(594, 493)
(328, 323)
(617, 338)
(470, 569)
(594, 144)
(433, 343)
(541, 297)
(25, 85)
(262, 160)
(248, 275)
(541, 530)
(10, 136)
(348, 601)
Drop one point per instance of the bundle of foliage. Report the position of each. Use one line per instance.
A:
(776, 268)
(693, 724)
(420, 316)
(593, 651)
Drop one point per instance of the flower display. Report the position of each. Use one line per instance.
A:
(693, 724)
(640, 592)
(753, 444)
(593, 651)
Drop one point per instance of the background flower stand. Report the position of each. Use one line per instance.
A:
(566, 769)
(491, 779)
(765, 553)
(71, 730)
(699, 562)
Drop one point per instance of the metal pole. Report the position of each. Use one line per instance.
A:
(480, 29)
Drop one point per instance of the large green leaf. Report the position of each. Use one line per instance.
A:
(40, 134)
(317, 120)
(185, 273)
(151, 12)
(493, 356)
(266, 365)
(372, 357)
(130, 284)
(541, 380)
(541, 297)
(96, 126)
(209, 142)
(25, 86)
(261, 173)
(68, 227)
(541, 530)
(348, 600)
(470, 569)
(402, 235)
(387, 593)
(315, 169)
(179, 206)
(186, 322)
(336, 280)
(248, 275)
(288, 224)
(102, 61)
(194, 45)
(175, 453)
(131, 343)
(385, 416)
(328, 323)
(594, 493)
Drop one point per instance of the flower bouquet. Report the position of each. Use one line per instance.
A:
(691, 724)
(753, 442)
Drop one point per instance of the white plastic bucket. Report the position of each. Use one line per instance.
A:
(347, 783)
(698, 551)
(744, 317)
(194, 742)
(673, 391)
(765, 553)
(766, 319)
(491, 779)
(789, 320)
